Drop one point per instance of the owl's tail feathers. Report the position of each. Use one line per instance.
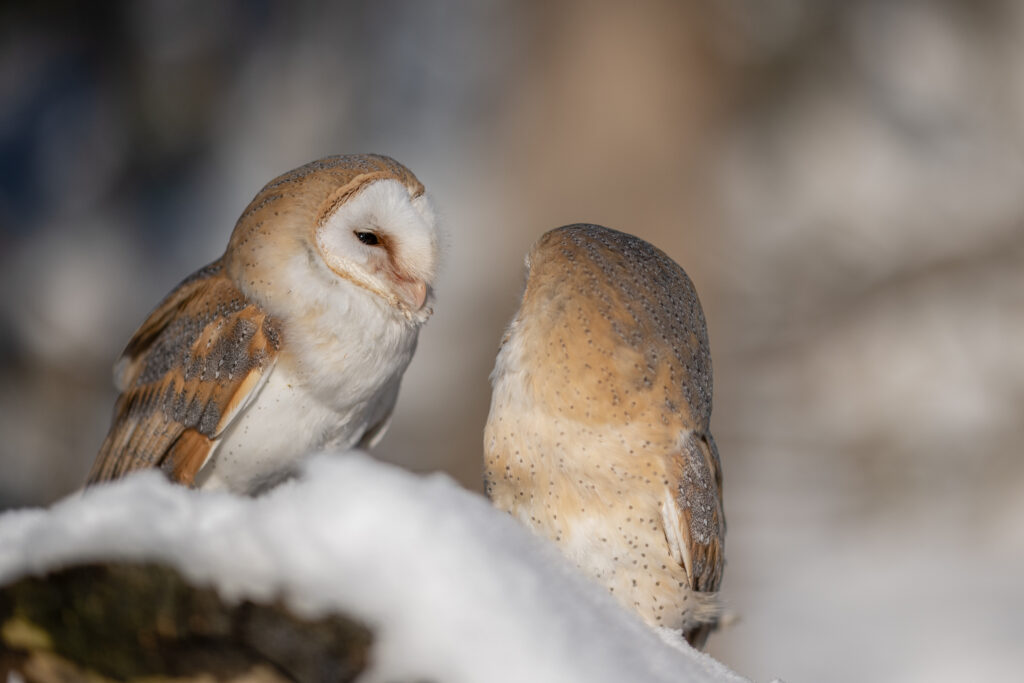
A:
(702, 617)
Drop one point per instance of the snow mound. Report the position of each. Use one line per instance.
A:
(453, 589)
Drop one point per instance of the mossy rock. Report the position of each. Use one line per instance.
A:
(142, 621)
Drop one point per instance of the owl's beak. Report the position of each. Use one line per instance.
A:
(413, 294)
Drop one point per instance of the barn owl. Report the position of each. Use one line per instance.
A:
(597, 436)
(295, 339)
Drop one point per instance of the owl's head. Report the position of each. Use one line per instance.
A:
(360, 221)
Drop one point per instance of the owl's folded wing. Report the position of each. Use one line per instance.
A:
(694, 518)
(191, 368)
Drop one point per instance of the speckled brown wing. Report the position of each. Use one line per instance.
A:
(696, 481)
(195, 363)
(696, 520)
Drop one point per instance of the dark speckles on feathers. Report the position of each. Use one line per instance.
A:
(209, 419)
(264, 201)
(656, 295)
(173, 348)
(187, 367)
(271, 333)
(697, 493)
(610, 337)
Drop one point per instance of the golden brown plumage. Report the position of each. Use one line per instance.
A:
(598, 436)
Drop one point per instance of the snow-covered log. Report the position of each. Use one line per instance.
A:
(354, 554)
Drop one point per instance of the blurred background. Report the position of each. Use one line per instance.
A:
(844, 182)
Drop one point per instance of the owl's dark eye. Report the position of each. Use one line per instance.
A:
(367, 238)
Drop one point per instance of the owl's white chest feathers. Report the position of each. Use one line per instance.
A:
(337, 377)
